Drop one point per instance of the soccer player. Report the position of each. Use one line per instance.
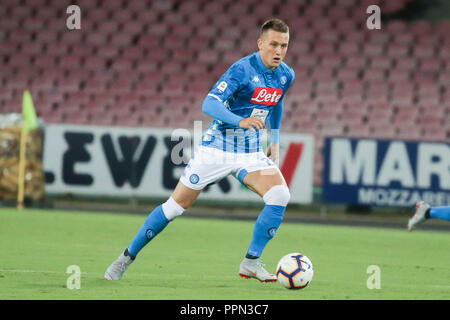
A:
(247, 97)
(424, 211)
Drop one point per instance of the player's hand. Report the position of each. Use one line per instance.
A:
(273, 152)
(252, 123)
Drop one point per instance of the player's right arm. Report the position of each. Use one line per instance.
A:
(217, 110)
(214, 103)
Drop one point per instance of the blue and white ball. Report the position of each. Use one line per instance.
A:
(295, 271)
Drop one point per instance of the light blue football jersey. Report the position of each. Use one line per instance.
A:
(248, 88)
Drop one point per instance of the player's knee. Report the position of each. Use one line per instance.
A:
(278, 195)
(172, 209)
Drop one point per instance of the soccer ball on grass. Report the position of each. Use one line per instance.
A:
(295, 271)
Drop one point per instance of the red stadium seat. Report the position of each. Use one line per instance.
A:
(78, 97)
(374, 74)
(397, 50)
(332, 60)
(382, 62)
(174, 41)
(123, 64)
(429, 120)
(402, 98)
(132, 27)
(307, 60)
(96, 39)
(322, 73)
(47, 36)
(224, 44)
(94, 63)
(423, 51)
(56, 49)
(355, 36)
(18, 60)
(406, 63)
(122, 39)
(9, 47)
(130, 119)
(174, 88)
(121, 86)
(380, 38)
(383, 130)
(397, 27)
(125, 16)
(94, 87)
(396, 75)
(323, 48)
(358, 130)
(171, 68)
(231, 56)
(195, 68)
(70, 62)
(183, 55)
(435, 133)
(426, 89)
(147, 88)
(404, 38)
(237, 8)
(372, 49)
(102, 99)
(430, 64)
(351, 118)
(32, 48)
(107, 51)
(299, 47)
(69, 84)
(260, 10)
(356, 61)
(380, 116)
(444, 78)
(209, 57)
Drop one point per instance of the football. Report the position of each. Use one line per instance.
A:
(295, 271)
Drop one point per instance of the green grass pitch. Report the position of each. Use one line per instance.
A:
(198, 258)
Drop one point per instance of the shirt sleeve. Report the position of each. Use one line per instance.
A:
(217, 110)
(215, 104)
(275, 122)
(229, 83)
(277, 115)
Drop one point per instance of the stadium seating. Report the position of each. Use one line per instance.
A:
(145, 63)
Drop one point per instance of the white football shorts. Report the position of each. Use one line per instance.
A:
(210, 165)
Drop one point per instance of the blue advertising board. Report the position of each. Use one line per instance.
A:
(386, 172)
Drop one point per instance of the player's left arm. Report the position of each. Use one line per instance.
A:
(273, 151)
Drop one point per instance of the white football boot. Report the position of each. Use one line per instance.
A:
(419, 215)
(116, 270)
(253, 268)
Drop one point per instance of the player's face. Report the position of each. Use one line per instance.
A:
(273, 47)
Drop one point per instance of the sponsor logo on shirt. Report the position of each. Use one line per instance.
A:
(266, 96)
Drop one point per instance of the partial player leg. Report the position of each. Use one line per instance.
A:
(425, 211)
(181, 199)
(270, 185)
(440, 213)
(420, 214)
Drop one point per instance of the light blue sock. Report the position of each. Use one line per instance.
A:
(265, 228)
(154, 224)
(440, 213)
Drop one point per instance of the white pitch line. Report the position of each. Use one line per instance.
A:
(34, 271)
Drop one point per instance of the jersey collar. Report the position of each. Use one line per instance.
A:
(262, 66)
